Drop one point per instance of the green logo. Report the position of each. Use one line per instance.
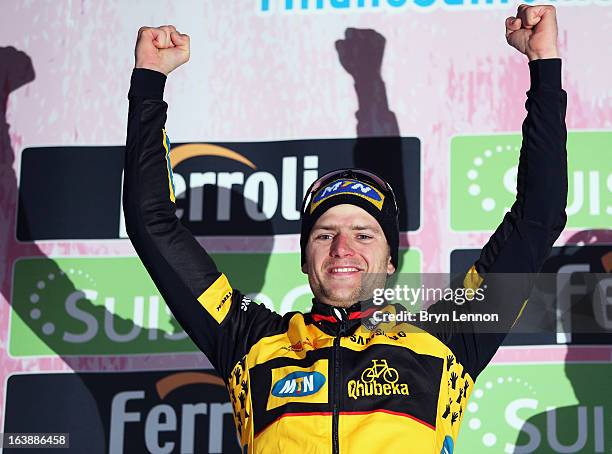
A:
(110, 306)
(539, 408)
(483, 179)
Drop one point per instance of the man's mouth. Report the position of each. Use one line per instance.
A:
(343, 270)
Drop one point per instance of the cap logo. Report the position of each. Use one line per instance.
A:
(349, 187)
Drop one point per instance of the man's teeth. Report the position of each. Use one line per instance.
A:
(344, 270)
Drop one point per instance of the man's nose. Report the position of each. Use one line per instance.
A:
(341, 246)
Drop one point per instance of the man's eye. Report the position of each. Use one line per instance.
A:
(324, 236)
(363, 236)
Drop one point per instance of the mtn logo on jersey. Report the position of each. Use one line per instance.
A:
(306, 385)
(348, 186)
(377, 380)
(448, 446)
(298, 384)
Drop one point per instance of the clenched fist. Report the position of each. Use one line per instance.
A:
(161, 49)
(534, 31)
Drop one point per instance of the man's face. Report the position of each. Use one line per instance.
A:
(345, 243)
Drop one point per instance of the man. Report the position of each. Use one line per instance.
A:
(324, 381)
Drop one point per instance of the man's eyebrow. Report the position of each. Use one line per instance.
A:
(353, 227)
(363, 227)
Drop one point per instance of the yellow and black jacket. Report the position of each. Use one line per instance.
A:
(330, 380)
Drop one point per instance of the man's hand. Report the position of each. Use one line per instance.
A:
(161, 49)
(534, 31)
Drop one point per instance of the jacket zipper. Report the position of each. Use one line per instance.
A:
(337, 383)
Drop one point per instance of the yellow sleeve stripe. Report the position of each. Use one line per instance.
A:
(520, 313)
(217, 299)
(166, 143)
(472, 279)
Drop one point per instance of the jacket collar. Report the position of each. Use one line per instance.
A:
(341, 321)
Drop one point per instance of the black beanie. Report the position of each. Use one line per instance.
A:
(356, 189)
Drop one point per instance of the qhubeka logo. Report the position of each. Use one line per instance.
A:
(298, 384)
(379, 379)
(240, 188)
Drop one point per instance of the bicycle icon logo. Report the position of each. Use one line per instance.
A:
(380, 367)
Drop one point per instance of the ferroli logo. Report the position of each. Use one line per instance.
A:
(263, 192)
(377, 380)
(165, 427)
(228, 189)
(299, 384)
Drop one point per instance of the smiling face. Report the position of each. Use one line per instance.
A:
(345, 243)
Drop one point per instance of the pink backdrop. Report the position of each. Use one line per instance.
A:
(275, 75)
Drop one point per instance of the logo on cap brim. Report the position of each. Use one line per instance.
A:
(348, 187)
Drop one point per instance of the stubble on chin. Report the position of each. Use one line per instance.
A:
(362, 292)
(338, 297)
(343, 299)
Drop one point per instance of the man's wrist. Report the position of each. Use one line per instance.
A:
(553, 53)
(147, 83)
(545, 73)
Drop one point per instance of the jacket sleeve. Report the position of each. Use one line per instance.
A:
(515, 253)
(215, 316)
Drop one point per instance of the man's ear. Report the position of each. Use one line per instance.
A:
(390, 267)
(304, 269)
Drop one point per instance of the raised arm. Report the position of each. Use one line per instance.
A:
(199, 296)
(524, 239)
